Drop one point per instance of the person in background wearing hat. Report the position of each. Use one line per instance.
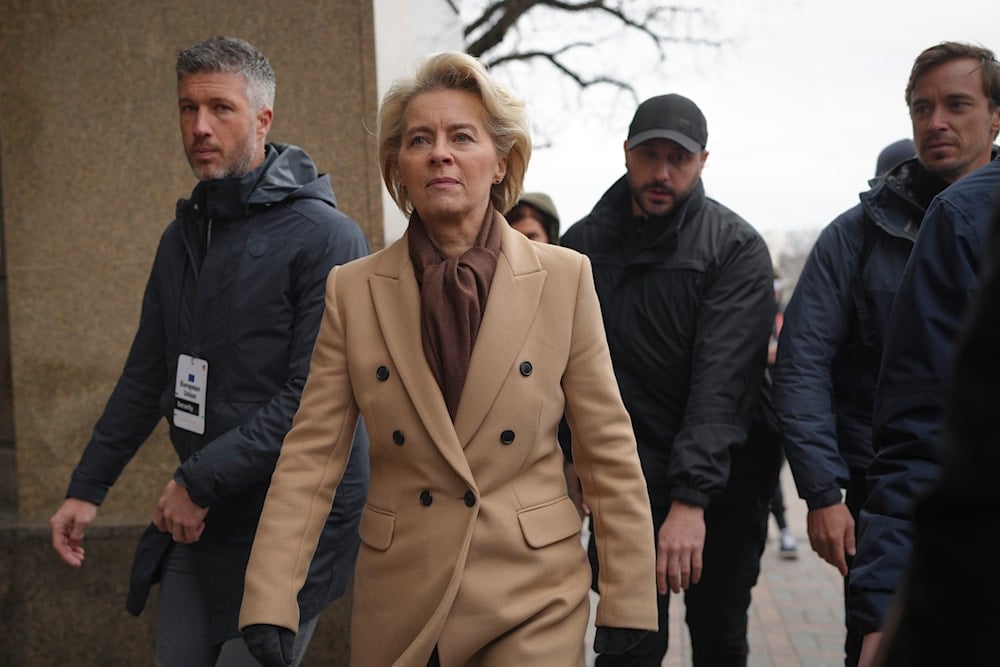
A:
(686, 289)
(536, 217)
(830, 349)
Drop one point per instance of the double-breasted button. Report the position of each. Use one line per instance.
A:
(382, 373)
(398, 437)
(470, 498)
(507, 437)
(526, 368)
(426, 498)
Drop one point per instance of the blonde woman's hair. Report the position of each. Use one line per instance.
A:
(505, 118)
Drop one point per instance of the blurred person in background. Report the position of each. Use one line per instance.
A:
(536, 217)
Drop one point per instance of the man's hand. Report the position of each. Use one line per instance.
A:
(869, 649)
(575, 489)
(178, 515)
(680, 543)
(68, 525)
(270, 645)
(831, 534)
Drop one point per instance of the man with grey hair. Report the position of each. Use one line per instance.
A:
(230, 313)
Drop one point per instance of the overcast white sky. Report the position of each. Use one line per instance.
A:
(797, 110)
(798, 107)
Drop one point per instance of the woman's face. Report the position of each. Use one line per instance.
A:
(447, 159)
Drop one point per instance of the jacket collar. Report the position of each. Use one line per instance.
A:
(287, 172)
(614, 211)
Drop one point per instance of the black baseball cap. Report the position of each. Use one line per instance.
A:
(673, 117)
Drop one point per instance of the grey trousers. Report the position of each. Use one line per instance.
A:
(182, 626)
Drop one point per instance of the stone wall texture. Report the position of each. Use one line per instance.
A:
(91, 166)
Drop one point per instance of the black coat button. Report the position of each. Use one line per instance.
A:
(470, 498)
(426, 498)
(398, 437)
(382, 373)
(526, 368)
(507, 437)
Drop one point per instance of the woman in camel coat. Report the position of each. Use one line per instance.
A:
(462, 345)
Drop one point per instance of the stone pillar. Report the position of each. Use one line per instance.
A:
(91, 167)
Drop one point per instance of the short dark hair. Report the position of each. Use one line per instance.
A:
(945, 52)
(231, 54)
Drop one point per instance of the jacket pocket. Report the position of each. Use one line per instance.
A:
(547, 524)
(376, 528)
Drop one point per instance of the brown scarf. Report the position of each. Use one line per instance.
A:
(453, 294)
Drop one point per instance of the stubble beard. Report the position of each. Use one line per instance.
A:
(236, 164)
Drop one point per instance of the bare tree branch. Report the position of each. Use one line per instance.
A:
(500, 19)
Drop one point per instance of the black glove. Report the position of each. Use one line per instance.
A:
(616, 640)
(270, 645)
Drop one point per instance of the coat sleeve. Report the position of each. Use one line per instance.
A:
(132, 410)
(939, 280)
(815, 330)
(312, 461)
(607, 462)
(727, 367)
(245, 455)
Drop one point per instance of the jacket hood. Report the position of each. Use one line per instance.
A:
(289, 173)
(898, 199)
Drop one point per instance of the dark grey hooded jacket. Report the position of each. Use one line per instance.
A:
(244, 292)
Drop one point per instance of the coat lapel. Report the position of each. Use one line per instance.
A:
(514, 297)
(396, 298)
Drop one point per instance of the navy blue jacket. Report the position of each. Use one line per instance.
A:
(953, 619)
(830, 345)
(940, 280)
(249, 302)
(688, 306)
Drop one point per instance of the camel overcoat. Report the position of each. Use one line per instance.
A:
(469, 540)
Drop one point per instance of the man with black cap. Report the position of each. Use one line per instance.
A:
(686, 287)
(830, 351)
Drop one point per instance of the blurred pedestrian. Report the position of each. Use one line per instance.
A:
(893, 154)
(788, 545)
(536, 217)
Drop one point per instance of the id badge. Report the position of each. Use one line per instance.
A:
(189, 394)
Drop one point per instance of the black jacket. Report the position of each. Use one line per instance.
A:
(238, 280)
(688, 305)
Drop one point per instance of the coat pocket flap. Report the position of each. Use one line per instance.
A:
(546, 524)
(376, 528)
